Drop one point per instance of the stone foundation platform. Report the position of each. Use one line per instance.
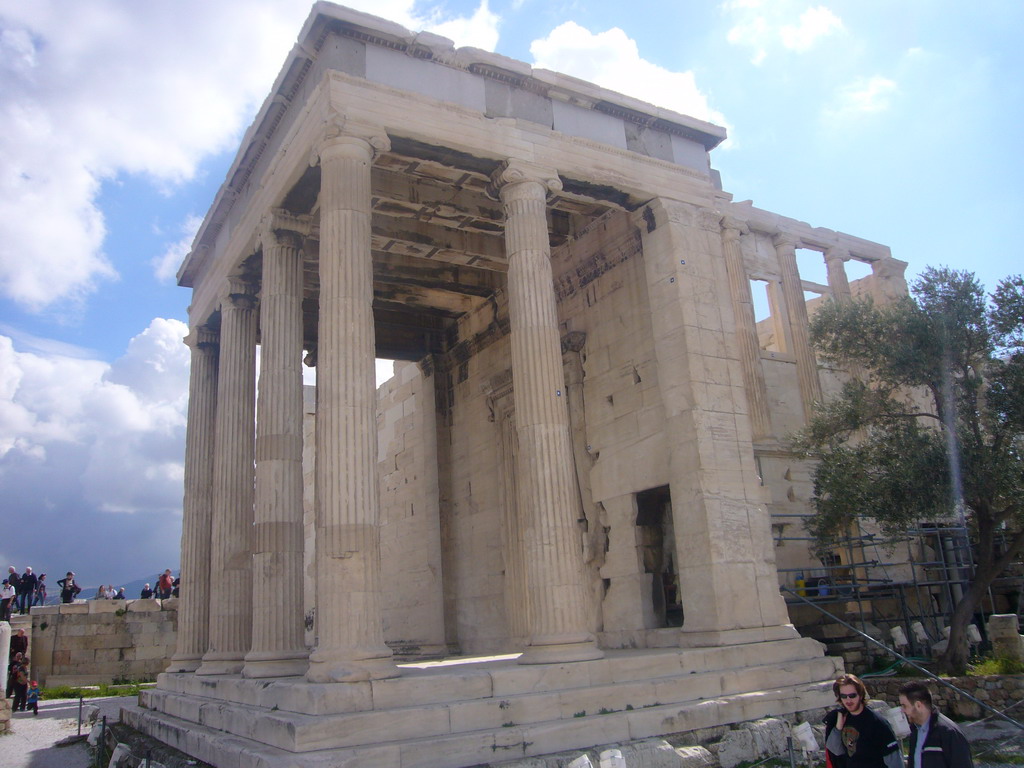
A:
(474, 711)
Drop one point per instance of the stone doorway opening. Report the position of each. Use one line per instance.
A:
(656, 547)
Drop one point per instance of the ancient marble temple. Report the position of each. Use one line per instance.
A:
(561, 493)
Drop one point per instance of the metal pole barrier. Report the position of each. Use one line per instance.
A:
(80, 715)
(792, 757)
(905, 660)
(149, 755)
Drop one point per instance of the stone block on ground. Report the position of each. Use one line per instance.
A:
(752, 741)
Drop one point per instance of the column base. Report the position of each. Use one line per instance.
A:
(220, 664)
(184, 663)
(328, 667)
(559, 653)
(259, 664)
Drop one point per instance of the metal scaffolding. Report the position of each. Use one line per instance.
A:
(864, 578)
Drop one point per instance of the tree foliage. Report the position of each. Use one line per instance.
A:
(932, 424)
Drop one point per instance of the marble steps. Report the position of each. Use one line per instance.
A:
(485, 746)
(542, 699)
(462, 680)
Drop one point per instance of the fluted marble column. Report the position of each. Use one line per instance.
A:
(350, 635)
(278, 647)
(837, 281)
(746, 327)
(197, 507)
(546, 488)
(231, 546)
(796, 308)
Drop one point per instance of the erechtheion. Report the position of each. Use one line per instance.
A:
(567, 467)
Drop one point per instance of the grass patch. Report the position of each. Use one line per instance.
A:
(93, 691)
(995, 665)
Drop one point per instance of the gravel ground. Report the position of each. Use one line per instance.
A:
(34, 738)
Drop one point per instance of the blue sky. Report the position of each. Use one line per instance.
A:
(899, 122)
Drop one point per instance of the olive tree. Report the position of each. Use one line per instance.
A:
(930, 425)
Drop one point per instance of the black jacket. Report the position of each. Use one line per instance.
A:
(27, 585)
(945, 746)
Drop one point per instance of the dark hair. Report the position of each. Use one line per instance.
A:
(853, 680)
(916, 691)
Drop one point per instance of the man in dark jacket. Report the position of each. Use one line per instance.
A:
(935, 740)
(26, 589)
(856, 736)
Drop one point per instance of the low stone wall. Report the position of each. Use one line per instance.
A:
(997, 691)
(101, 641)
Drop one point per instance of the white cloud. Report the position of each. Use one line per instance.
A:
(611, 59)
(479, 30)
(100, 89)
(864, 96)
(80, 439)
(815, 23)
(165, 266)
(762, 26)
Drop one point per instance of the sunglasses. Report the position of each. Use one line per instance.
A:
(848, 695)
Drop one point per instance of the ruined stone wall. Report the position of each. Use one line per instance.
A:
(100, 641)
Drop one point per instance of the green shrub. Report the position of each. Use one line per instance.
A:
(996, 665)
(94, 691)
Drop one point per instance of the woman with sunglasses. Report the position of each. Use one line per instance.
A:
(855, 736)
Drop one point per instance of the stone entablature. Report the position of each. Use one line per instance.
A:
(102, 641)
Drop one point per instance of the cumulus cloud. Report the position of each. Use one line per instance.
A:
(864, 96)
(761, 26)
(82, 439)
(96, 90)
(612, 60)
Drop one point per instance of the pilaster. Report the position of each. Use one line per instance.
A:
(197, 506)
(278, 647)
(231, 546)
(547, 492)
(349, 627)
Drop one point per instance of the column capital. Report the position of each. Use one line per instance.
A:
(514, 175)
(240, 293)
(279, 227)
(573, 341)
(345, 137)
(785, 240)
(202, 337)
(733, 227)
(835, 252)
